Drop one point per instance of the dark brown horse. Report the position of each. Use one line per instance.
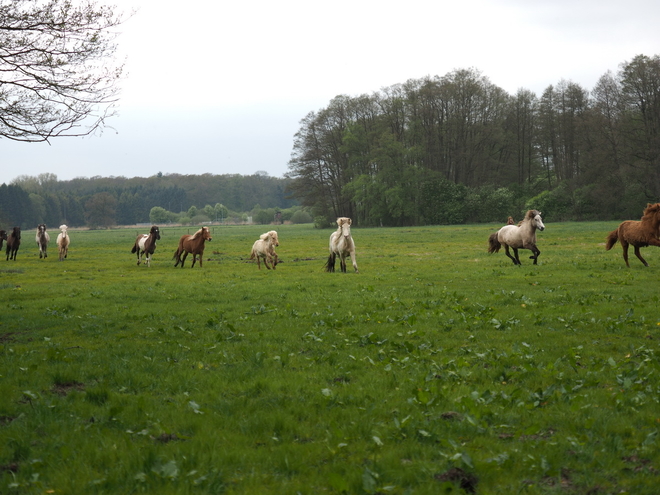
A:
(193, 244)
(637, 233)
(13, 243)
(146, 244)
(3, 237)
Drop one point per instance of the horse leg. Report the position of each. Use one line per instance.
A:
(259, 262)
(506, 251)
(354, 261)
(183, 259)
(536, 252)
(624, 245)
(330, 265)
(342, 262)
(639, 255)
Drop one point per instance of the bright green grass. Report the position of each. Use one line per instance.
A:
(122, 379)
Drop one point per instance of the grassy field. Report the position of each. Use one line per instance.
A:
(437, 369)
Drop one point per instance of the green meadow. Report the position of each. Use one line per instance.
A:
(439, 368)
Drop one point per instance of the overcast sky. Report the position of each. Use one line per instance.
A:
(220, 87)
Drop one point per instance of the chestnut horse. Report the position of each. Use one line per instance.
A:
(342, 245)
(13, 243)
(264, 247)
(145, 244)
(637, 233)
(42, 239)
(193, 244)
(521, 236)
(63, 242)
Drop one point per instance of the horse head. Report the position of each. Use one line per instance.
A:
(537, 221)
(63, 228)
(206, 234)
(16, 233)
(273, 238)
(344, 224)
(3, 235)
(155, 232)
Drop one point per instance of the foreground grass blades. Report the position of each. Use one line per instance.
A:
(437, 368)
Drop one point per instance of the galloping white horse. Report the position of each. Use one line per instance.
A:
(63, 242)
(522, 236)
(264, 248)
(342, 244)
(42, 239)
(145, 244)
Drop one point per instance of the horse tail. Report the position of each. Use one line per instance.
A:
(494, 243)
(611, 239)
(134, 248)
(330, 264)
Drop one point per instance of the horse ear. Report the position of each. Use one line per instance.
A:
(350, 221)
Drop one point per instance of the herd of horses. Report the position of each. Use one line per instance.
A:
(636, 233)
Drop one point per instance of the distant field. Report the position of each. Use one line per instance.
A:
(437, 369)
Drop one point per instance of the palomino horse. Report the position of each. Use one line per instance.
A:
(13, 243)
(637, 233)
(63, 242)
(193, 244)
(342, 244)
(145, 244)
(521, 236)
(264, 248)
(42, 239)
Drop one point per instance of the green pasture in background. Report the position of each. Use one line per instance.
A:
(439, 368)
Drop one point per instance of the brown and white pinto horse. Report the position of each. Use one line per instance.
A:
(42, 239)
(145, 244)
(264, 248)
(63, 242)
(193, 244)
(13, 243)
(342, 245)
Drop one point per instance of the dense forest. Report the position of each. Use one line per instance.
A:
(437, 150)
(109, 201)
(457, 148)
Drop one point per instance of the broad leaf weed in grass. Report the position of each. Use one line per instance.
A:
(437, 368)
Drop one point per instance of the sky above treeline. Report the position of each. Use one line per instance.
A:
(220, 88)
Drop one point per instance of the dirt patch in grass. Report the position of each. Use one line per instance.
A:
(63, 389)
(467, 481)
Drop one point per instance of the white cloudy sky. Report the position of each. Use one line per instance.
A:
(220, 87)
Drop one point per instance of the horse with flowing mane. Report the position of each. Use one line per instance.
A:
(42, 239)
(521, 236)
(63, 242)
(13, 243)
(264, 248)
(145, 244)
(637, 233)
(342, 245)
(193, 244)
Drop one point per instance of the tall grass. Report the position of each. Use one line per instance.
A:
(438, 367)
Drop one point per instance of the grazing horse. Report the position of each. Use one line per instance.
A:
(13, 243)
(3, 237)
(146, 244)
(42, 239)
(638, 233)
(63, 242)
(264, 248)
(521, 236)
(193, 244)
(342, 244)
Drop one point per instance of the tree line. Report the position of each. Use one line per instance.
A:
(108, 201)
(457, 148)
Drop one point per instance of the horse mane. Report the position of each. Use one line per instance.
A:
(197, 234)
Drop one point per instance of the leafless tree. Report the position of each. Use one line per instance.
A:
(58, 72)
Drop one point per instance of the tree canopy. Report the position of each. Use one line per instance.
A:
(458, 148)
(58, 76)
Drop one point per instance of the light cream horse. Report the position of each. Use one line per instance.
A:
(342, 244)
(521, 236)
(63, 242)
(264, 248)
